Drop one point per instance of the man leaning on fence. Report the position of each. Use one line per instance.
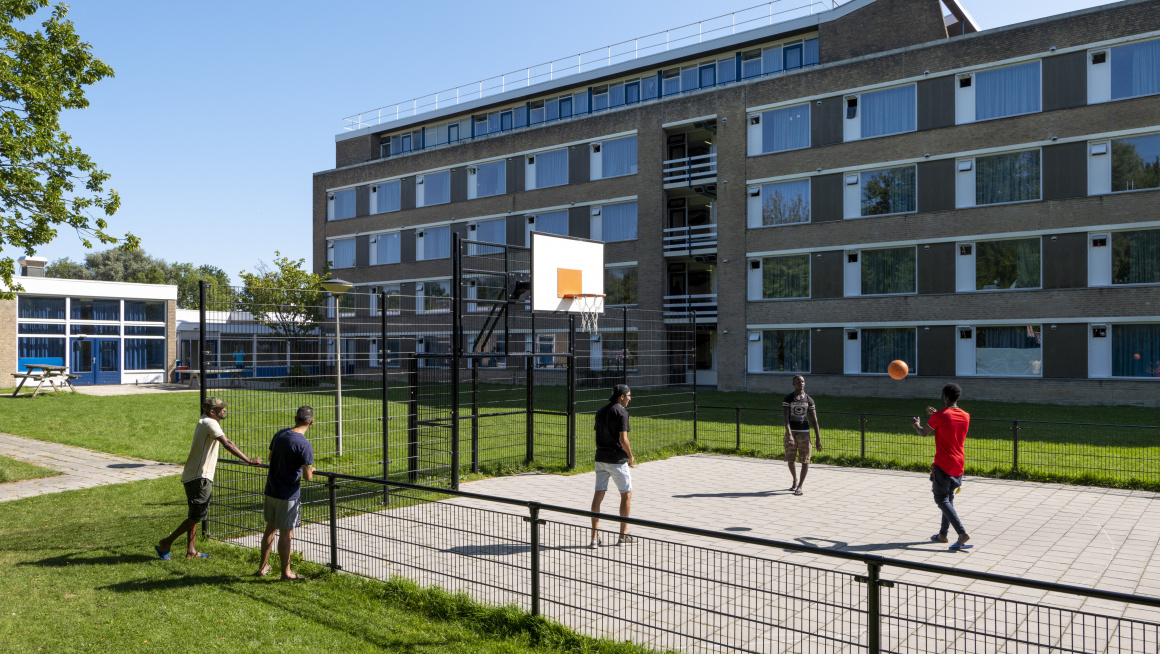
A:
(613, 458)
(198, 474)
(291, 461)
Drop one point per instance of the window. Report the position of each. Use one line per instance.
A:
(615, 353)
(387, 196)
(785, 277)
(1136, 257)
(1136, 69)
(617, 222)
(785, 350)
(785, 129)
(436, 243)
(1010, 177)
(96, 330)
(890, 111)
(41, 350)
(616, 95)
(671, 81)
(342, 253)
(436, 188)
(792, 56)
(811, 52)
(40, 308)
(881, 346)
(1007, 264)
(344, 204)
(780, 203)
(1008, 351)
(887, 191)
(484, 287)
(552, 222)
(551, 169)
(490, 179)
(889, 271)
(750, 64)
(1136, 163)
(708, 76)
(434, 297)
(133, 330)
(56, 329)
(771, 60)
(1135, 350)
(726, 70)
(649, 88)
(1007, 91)
(689, 78)
(494, 345)
(632, 92)
(453, 132)
(144, 354)
(85, 309)
(385, 249)
(618, 157)
(620, 285)
(599, 98)
(144, 311)
(488, 231)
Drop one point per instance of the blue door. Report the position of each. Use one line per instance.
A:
(108, 360)
(95, 360)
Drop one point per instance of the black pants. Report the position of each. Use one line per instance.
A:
(943, 486)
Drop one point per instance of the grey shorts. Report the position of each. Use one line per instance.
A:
(283, 514)
(617, 473)
(197, 494)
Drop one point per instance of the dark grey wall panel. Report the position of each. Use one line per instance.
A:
(1065, 171)
(459, 184)
(362, 251)
(1065, 81)
(1065, 260)
(580, 222)
(936, 269)
(936, 351)
(459, 228)
(936, 185)
(826, 351)
(407, 306)
(826, 274)
(826, 122)
(826, 198)
(407, 193)
(362, 201)
(515, 230)
(1065, 351)
(936, 102)
(578, 166)
(515, 174)
(407, 247)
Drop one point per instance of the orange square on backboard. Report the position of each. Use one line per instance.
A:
(569, 282)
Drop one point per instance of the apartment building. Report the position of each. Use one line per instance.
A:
(828, 192)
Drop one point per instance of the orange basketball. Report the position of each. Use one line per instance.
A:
(898, 369)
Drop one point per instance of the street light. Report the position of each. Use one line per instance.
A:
(336, 287)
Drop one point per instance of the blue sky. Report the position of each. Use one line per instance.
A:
(220, 112)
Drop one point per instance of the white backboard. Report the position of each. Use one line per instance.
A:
(550, 253)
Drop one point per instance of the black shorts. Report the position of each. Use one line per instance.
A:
(197, 493)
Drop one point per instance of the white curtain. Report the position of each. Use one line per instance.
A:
(437, 189)
(344, 253)
(390, 198)
(618, 222)
(619, 157)
(554, 222)
(388, 249)
(551, 168)
(1136, 69)
(888, 112)
(490, 179)
(1016, 350)
(489, 231)
(344, 206)
(436, 243)
(785, 129)
(1007, 91)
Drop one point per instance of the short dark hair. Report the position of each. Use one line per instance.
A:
(303, 416)
(952, 392)
(796, 376)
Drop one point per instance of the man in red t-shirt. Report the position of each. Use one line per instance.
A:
(946, 473)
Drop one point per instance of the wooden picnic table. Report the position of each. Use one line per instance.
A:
(44, 372)
(195, 374)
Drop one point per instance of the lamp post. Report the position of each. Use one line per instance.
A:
(336, 287)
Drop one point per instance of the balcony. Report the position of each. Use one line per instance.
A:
(690, 171)
(690, 241)
(680, 308)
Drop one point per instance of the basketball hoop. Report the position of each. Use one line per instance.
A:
(589, 306)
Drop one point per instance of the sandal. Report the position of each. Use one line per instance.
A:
(798, 491)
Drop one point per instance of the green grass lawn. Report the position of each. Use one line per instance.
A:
(13, 470)
(79, 574)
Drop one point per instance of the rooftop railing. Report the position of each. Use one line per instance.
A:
(769, 13)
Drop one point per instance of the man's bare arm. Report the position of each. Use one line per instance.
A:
(785, 418)
(233, 449)
(923, 430)
(308, 472)
(817, 427)
(624, 445)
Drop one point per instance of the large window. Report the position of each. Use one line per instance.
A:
(618, 222)
(881, 346)
(1136, 257)
(144, 311)
(620, 285)
(785, 350)
(1011, 177)
(890, 111)
(491, 179)
(385, 248)
(552, 222)
(1007, 264)
(1136, 350)
(388, 196)
(618, 157)
(436, 297)
(488, 231)
(1004, 351)
(1007, 91)
(785, 129)
(343, 253)
(1136, 69)
(891, 190)
(889, 271)
(145, 354)
(551, 169)
(344, 204)
(1136, 163)
(785, 277)
(436, 243)
(85, 309)
(436, 188)
(40, 308)
(785, 203)
(46, 350)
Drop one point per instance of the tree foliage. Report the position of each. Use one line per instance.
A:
(45, 181)
(125, 265)
(286, 297)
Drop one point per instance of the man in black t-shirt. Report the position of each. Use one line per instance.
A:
(613, 459)
(797, 412)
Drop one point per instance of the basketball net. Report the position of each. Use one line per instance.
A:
(589, 309)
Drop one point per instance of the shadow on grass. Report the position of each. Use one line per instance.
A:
(81, 558)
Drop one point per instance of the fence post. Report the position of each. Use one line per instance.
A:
(413, 419)
(570, 427)
(1015, 446)
(693, 351)
(737, 418)
(624, 349)
(873, 609)
(386, 408)
(530, 411)
(862, 423)
(475, 416)
(201, 356)
(534, 519)
(456, 353)
(333, 524)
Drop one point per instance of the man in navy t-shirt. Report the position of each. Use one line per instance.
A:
(291, 460)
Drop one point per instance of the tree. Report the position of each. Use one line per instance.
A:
(46, 181)
(286, 297)
(124, 265)
(186, 277)
(67, 269)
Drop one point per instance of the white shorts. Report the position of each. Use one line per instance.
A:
(617, 472)
(283, 514)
